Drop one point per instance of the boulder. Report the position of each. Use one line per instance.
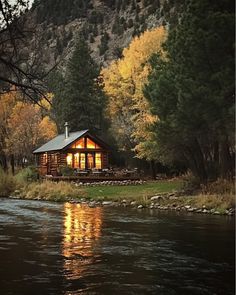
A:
(107, 203)
(156, 198)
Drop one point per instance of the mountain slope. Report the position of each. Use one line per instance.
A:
(107, 25)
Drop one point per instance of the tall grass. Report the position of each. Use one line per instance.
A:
(219, 202)
(7, 184)
(51, 191)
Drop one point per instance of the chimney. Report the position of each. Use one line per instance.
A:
(66, 130)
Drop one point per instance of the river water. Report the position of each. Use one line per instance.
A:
(51, 248)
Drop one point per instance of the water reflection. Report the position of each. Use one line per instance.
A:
(82, 229)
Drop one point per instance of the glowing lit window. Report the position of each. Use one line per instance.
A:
(53, 158)
(98, 161)
(69, 159)
(76, 160)
(82, 161)
(90, 161)
(79, 144)
(45, 159)
(91, 144)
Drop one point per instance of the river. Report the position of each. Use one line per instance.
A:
(52, 248)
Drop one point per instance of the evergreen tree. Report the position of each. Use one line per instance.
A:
(192, 90)
(81, 101)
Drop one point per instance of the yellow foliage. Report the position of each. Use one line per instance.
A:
(45, 102)
(27, 128)
(123, 83)
(47, 128)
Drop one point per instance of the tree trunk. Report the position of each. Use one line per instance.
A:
(3, 161)
(12, 161)
(226, 161)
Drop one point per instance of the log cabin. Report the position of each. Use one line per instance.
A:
(80, 150)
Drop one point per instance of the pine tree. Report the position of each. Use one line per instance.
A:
(81, 101)
(192, 90)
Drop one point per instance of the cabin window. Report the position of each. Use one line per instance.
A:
(44, 159)
(53, 159)
(91, 144)
(79, 144)
(98, 160)
(82, 160)
(90, 161)
(69, 159)
(76, 160)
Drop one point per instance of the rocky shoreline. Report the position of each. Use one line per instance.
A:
(153, 203)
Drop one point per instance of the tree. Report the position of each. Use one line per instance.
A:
(79, 99)
(17, 69)
(27, 128)
(128, 109)
(7, 102)
(23, 126)
(192, 91)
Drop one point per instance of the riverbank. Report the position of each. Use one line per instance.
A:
(153, 195)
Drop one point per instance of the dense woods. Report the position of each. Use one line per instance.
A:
(168, 99)
(192, 91)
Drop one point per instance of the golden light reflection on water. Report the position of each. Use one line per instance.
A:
(82, 229)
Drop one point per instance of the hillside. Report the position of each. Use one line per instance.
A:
(108, 26)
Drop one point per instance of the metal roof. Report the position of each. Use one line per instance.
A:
(59, 142)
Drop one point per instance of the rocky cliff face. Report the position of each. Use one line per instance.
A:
(107, 25)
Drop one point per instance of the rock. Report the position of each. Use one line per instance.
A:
(14, 197)
(124, 201)
(216, 213)
(92, 204)
(106, 203)
(156, 198)
(133, 203)
(140, 207)
(190, 209)
(205, 211)
(187, 207)
(199, 211)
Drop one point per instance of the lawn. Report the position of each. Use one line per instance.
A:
(133, 192)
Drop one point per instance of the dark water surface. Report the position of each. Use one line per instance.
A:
(50, 248)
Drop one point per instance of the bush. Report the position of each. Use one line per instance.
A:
(27, 174)
(7, 184)
(66, 171)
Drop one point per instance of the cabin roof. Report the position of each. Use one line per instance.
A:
(60, 142)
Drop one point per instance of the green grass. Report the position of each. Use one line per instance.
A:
(132, 192)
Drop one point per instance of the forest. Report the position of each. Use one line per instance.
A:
(167, 102)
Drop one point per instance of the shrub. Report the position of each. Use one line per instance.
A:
(66, 171)
(7, 184)
(27, 174)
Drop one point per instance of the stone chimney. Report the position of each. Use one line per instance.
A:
(66, 130)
